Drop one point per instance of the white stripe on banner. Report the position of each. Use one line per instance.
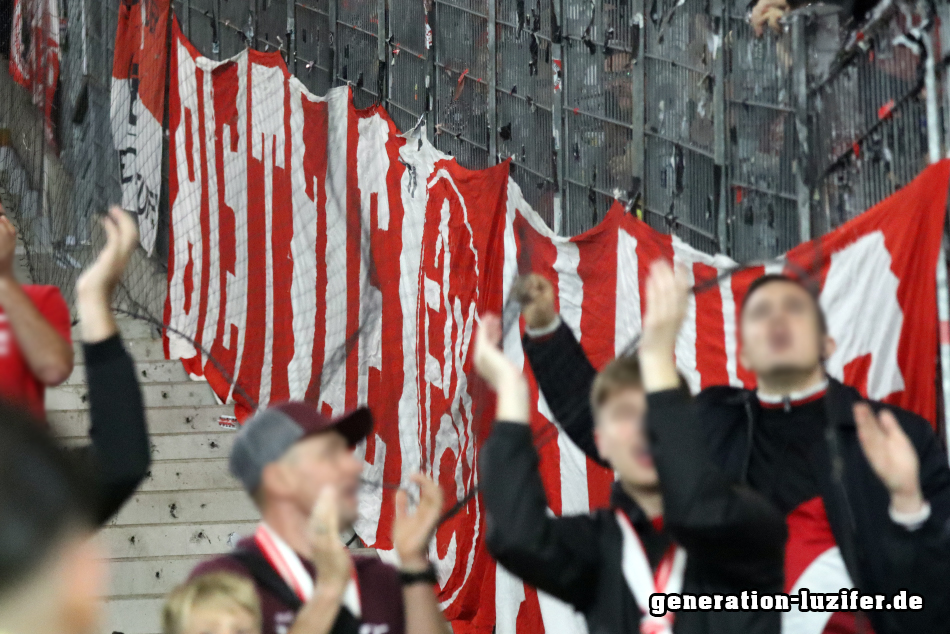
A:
(627, 319)
(559, 617)
(729, 323)
(210, 326)
(303, 250)
(235, 195)
(509, 595)
(186, 225)
(333, 378)
(575, 497)
(685, 255)
(372, 165)
(267, 136)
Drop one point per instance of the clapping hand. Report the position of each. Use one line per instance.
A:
(891, 455)
(328, 552)
(412, 531)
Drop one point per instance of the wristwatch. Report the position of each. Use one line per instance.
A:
(426, 576)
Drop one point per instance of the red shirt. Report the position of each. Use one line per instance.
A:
(18, 385)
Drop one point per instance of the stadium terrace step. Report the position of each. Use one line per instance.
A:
(144, 350)
(147, 372)
(165, 420)
(192, 393)
(129, 328)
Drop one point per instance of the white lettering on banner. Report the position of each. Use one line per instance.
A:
(186, 227)
(685, 256)
(234, 165)
(267, 145)
(445, 358)
(333, 376)
(509, 595)
(627, 319)
(860, 271)
(372, 165)
(371, 491)
(210, 326)
(303, 250)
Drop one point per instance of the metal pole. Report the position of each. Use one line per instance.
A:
(382, 69)
(557, 118)
(492, 92)
(639, 98)
(720, 9)
(943, 293)
(292, 36)
(800, 86)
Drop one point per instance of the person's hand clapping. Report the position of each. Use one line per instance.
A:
(536, 296)
(892, 456)
(499, 372)
(122, 236)
(412, 531)
(95, 286)
(328, 552)
(667, 298)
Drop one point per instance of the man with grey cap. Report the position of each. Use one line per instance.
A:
(299, 468)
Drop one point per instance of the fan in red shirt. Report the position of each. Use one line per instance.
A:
(35, 347)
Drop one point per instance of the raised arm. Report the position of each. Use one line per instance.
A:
(560, 366)
(557, 555)
(729, 527)
(119, 453)
(47, 352)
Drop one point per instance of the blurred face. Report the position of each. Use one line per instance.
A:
(318, 461)
(222, 616)
(781, 332)
(620, 434)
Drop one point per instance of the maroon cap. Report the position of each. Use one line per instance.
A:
(354, 425)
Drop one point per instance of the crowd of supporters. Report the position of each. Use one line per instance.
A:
(798, 484)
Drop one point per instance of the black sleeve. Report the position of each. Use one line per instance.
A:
(919, 560)
(119, 455)
(565, 376)
(556, 555)
(728, 527)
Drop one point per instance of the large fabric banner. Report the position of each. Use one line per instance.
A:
(316, 253)
(34, 56)
(138, 107)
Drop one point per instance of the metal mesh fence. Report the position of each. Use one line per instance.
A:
(736, 143)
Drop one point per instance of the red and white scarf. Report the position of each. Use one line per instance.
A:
(643, 582)
(285, 561)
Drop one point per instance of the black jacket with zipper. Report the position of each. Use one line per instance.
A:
(882, 557)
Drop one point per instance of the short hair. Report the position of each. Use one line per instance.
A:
(623, 373)
(206, 589)
(45, 498)
(772, 278)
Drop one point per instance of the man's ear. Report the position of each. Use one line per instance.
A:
(275, 481)
(828, 347)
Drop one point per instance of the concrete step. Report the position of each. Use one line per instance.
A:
(146, 372)
(130, 329)
(165, 420)
(187, 507)
(139, 349)
(125, 542)
(182, 446)
(192, 393)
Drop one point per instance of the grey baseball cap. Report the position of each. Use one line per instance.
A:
(266, 436)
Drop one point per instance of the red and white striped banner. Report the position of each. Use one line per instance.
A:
(138, 107)
(34, 55)
(318, 254)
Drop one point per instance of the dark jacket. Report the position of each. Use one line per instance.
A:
(578, 558)
(381, 594)
(881, 556)
(118, 456)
